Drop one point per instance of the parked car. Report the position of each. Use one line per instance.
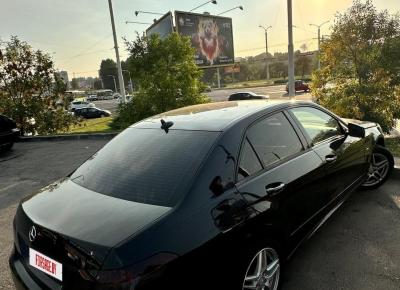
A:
(80, 104)
(92, 98)
(246, 96)
(9, 133)
(299, 86)
(90, 113)
(213, 196)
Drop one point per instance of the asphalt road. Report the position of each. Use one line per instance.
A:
(357, 249)
(275, 92)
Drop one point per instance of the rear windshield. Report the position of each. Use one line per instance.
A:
(146, 165)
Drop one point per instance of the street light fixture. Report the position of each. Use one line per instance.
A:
(319, 41)
(211, 1)
(266, 47)
(135, 22)
(237, 7)
(147, 12)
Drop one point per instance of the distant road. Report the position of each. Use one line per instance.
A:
(275, 92)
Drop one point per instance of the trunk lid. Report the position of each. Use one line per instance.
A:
(77, 228)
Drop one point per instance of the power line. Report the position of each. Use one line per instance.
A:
(275, 45)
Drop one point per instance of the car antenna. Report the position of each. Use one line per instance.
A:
(166, 125)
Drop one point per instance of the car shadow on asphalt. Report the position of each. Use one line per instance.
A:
(357, 248)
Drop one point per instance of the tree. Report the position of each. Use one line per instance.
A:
(361, 64)
(166, 77)
(97, 85)
(30, 88)
(108, 68)
(74, 84)
(303, 64)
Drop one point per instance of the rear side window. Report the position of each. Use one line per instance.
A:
(318, 125)
(249, 162)
(146, 165)
(274, 139)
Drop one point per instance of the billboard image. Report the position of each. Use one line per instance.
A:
(162, 27)
(211, 37)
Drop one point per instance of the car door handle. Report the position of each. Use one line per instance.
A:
(330, 158)
(274, 188)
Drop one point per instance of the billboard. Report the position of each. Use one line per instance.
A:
(162, 27)
(211, 36)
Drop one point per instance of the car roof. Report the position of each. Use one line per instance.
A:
(212, 116)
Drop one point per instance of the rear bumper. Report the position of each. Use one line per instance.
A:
(22, 279)
(9, 137)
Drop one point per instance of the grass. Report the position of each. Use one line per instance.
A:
(393, 144)
(99, 125)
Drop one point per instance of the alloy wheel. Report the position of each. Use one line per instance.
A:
(263, 271)
(378, 170)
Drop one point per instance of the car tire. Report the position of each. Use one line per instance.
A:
(271, 273)
(102, 116)
(381, 166)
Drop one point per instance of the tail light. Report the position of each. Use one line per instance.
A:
(130, 276)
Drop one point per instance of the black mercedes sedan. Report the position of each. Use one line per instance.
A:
(213, 196)
(8, 133)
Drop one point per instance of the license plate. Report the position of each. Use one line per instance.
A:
(45, 264)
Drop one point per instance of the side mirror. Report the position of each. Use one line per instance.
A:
(355, 130)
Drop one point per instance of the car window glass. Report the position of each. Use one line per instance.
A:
(318, 125)
(274, 139)
(92, 110)
(146, 165)
(249, 163)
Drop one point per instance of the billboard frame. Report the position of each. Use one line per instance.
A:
(169, 13)
(213, 16)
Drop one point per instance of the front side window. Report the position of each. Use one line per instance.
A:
(318, 124)
(274, 139)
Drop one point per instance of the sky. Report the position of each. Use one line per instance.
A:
(78, 35)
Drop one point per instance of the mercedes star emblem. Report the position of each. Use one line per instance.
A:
(32, 234)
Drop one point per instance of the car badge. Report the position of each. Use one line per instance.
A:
(32, 234)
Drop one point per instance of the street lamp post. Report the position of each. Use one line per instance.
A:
(266, 48)
(211, 1)
(119, 68)
(237, 7)
(319, 41)
(290, 50)
(130, 79)
(115, 83)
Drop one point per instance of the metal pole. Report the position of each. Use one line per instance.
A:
(119, 68)
(319, 47)
(266, 53)
(218, 78)
(290, 50)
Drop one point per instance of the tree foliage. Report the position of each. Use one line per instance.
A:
(360, 73)
(30, 88)
(165, 74)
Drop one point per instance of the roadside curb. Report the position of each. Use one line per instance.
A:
(95, 136)
(397, 163)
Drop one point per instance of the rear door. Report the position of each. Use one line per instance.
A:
(343, 156)
(278, 175)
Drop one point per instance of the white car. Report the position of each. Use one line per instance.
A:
(80, 104)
